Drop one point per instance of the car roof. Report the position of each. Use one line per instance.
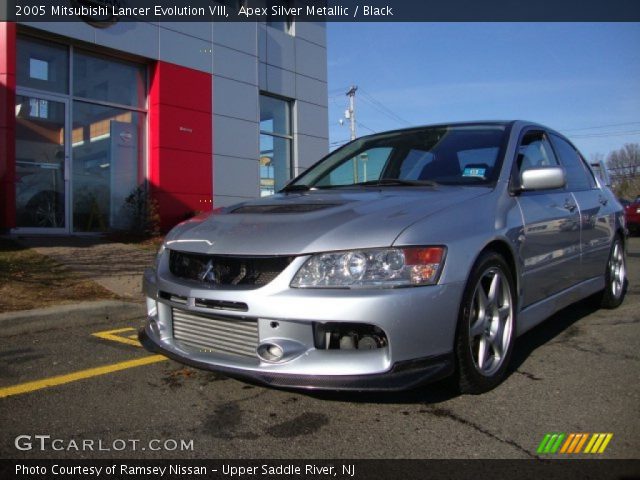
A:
(504, 123)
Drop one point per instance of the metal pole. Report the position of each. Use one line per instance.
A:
(352, 119)
(352, 110)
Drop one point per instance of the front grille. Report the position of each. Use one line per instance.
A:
(247, 272)
(211, 333)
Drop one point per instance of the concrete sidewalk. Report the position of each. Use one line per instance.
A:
(23, 322)
(118, 267)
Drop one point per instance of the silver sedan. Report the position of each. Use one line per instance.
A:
(400, 258)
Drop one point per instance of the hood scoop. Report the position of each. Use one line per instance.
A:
(284, 208)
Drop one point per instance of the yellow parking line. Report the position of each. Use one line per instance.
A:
(80, 375)
(111, 335)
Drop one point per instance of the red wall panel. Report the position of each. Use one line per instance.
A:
(180, 141)
(7, 96)
(182, 87)
(183, 129)
(7, 125)
(190, 166)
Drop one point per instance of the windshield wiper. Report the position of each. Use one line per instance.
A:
(399, 181)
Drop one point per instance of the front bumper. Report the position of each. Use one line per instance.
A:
(419, 324)
(402, 376)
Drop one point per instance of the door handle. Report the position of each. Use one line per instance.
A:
(603, 201)
(570, 206)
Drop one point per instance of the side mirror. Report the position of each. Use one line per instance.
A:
(543, 178)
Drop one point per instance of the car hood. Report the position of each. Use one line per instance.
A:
(316, 221)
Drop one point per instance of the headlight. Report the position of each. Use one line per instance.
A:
(382, 268)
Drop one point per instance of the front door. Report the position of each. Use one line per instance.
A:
(551, 247)
(42, 154)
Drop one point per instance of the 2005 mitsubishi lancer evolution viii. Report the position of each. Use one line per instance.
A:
(400, 258)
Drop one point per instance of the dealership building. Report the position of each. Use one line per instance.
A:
(204, 114)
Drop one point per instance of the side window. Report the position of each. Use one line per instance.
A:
(535, 151)
(578, 175)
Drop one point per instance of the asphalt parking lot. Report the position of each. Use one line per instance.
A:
(71, 382)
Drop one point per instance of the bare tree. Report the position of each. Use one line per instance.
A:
(624, 167)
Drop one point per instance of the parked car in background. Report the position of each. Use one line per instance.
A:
(400, 258)
(632, 216)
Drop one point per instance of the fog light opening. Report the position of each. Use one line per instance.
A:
(270, 352)
(368, 342)
(348, 336)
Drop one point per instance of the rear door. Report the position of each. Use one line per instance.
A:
(551, 246)
(596, 217)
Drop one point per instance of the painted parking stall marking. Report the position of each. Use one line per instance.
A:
(114, 336)
(120, 335)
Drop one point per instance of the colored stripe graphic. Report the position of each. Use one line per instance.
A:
(573, 443)
(570, 438)
(598, 442)
(556, 445)
(550, 443)
(543, 443)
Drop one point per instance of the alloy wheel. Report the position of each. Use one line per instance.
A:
(617, 270)
(491, 321)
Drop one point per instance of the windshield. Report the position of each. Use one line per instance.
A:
(450, 155)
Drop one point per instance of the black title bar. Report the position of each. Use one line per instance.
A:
(319, 469)
(104, 12)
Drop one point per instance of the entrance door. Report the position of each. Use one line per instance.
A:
(42, 153)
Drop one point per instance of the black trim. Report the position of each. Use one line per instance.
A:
(402, 376)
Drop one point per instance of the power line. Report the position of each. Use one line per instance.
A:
(365, 127)
(383, 108)
(335, 91)
(601, 126)
(606, 134)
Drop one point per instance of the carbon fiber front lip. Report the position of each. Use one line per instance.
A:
(402, 376)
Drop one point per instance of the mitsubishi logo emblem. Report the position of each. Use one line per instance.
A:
(208, 273)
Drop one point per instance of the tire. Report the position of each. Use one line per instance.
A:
(615, 276)
(486, 325)
(46, 209)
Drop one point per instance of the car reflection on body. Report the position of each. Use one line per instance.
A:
(400, 258)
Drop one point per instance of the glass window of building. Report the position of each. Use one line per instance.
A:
(109, 80)
(275, 144)
(80, 154)
(42, 65)
(107, 145)
(40, 163)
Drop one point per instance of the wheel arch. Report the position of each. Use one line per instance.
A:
(496, 247)
(505, 250)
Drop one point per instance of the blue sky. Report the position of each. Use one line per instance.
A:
(583, 79)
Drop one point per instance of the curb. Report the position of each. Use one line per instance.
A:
(61, 316)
